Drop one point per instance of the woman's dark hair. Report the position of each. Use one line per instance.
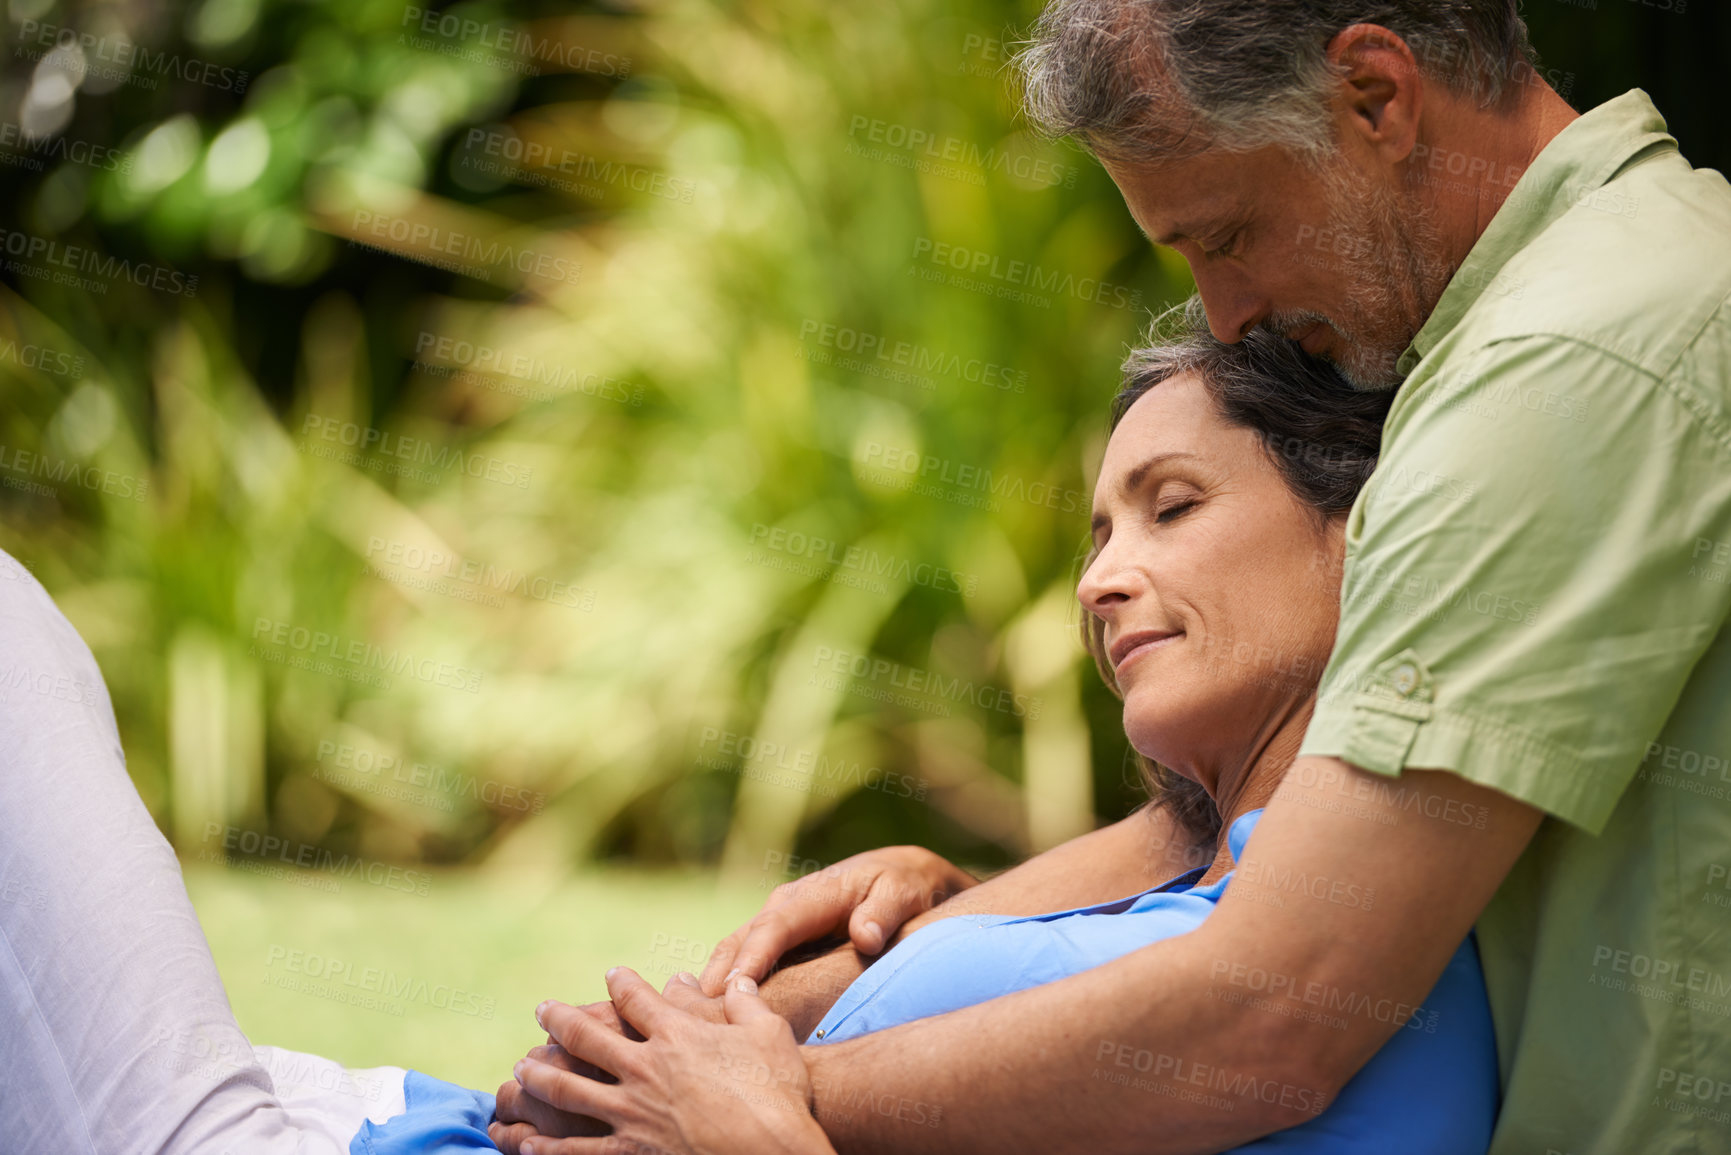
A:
(1319, 431)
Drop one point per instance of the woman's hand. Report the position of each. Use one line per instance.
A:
(870, 895)
(691, 1087)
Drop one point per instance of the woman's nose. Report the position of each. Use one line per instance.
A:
(1105, 585)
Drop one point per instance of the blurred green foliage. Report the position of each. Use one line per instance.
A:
(485, 434)
(658, 432)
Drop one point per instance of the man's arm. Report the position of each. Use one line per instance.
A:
(1127, 857)
(1124, 858)
(1038, 1070)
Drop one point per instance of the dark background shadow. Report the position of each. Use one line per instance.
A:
(1678, 50)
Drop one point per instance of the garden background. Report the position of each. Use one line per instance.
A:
(535, 476)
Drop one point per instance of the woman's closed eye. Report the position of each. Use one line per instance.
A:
(1175, 509)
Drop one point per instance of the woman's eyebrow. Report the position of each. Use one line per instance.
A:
(1136, 479)
(1138, 476)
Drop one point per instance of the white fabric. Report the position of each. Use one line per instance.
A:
(116, 1036)
(323, 1096)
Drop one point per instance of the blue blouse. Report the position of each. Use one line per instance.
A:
(1431, 1090)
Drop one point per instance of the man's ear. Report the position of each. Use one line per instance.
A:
(1381, 92)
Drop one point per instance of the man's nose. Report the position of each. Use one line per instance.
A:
(1233, 310)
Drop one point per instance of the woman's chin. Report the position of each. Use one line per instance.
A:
(1170, 726)
(1153, 734)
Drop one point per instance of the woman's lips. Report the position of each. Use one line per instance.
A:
(1132, 646)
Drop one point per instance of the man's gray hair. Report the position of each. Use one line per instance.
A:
(1146, 80)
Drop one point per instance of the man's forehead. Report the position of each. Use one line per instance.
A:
(1187, 197)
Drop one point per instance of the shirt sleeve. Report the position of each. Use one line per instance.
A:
(1529, 576)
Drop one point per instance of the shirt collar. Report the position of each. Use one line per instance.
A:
(1577, 161)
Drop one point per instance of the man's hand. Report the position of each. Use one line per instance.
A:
(691, 1087)
(521, 1116)
(868, 897)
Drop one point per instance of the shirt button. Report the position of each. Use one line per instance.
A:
(819, 1033)
(1405, 679)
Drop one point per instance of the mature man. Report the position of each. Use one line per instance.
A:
(1542, 666)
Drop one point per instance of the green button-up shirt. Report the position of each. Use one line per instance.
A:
(1537, 580)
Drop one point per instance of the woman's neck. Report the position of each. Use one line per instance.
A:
(1268, 762)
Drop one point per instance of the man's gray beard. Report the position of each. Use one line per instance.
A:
(1395, 276)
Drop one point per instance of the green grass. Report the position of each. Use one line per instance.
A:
(506, 944)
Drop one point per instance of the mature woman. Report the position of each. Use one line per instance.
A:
(1211, 600)
(1210, 596)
